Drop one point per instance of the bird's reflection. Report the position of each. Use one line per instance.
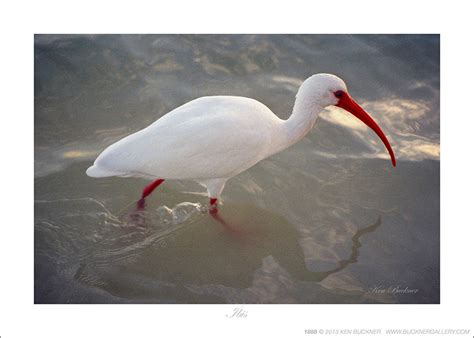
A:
(203, 251)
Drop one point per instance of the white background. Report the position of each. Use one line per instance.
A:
(20, 20)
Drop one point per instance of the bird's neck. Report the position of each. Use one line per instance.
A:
(301, 121)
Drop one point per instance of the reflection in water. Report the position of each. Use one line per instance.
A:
(204, 252)
(356, 244)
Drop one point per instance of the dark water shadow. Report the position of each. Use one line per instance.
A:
(202, 252)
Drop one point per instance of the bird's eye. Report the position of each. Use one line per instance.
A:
(339, 94)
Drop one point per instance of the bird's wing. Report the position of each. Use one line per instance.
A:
(208, 139)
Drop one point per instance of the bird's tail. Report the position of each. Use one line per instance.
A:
(96, 171)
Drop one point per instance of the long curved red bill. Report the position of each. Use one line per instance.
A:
(347, 103)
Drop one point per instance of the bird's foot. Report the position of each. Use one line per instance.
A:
(213, 206)
(147, 191)
(141, 204)
(137, 217)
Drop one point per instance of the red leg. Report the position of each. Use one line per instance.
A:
(150, 187)
(213, 206)
(147, 191)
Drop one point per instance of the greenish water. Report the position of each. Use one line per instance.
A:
(327, 221)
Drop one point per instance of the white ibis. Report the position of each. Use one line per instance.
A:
(213, 138)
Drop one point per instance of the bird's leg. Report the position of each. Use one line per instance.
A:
(214, 189)
(147, 191)
(150, 187)
(213, 206)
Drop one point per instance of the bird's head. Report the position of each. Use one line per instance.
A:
(325, 90)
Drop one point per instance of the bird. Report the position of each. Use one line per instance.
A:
(214, 138)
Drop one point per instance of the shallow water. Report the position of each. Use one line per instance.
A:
(326, 221)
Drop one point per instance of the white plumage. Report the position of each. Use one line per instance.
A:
(214, 138)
